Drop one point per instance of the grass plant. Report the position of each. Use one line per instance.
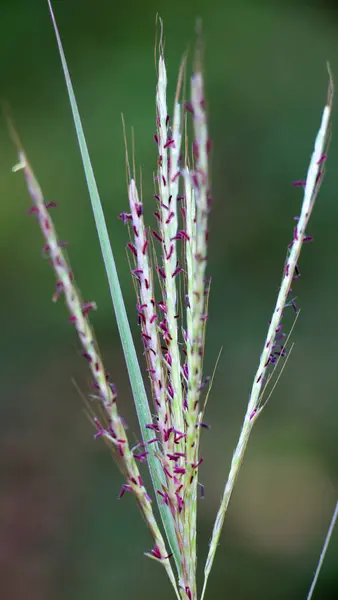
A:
(169, 269)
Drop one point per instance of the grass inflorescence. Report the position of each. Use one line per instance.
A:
(169, 269)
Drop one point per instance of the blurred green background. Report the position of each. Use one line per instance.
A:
(64, 534)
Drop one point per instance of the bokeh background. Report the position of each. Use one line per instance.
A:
(64, 535)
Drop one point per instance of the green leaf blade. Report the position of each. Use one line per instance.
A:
(134, 372)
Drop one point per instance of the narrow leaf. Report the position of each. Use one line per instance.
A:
(135, 376)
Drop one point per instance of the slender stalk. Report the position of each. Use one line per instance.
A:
(324, 550)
